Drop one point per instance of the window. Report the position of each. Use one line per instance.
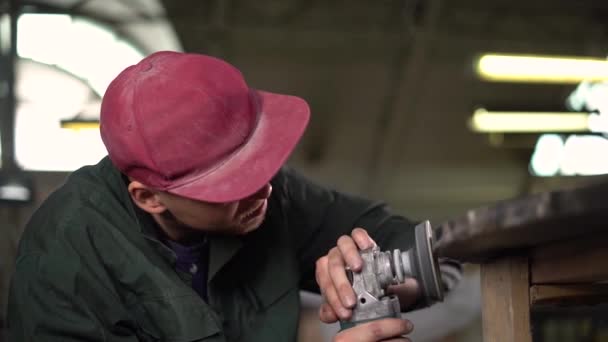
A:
(65, 64)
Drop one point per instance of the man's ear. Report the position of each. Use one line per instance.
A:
(145, 198)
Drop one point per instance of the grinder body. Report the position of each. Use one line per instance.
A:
(382, 269)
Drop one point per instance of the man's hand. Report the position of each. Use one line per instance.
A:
(388, 329)
(339, 297)
(408, 293)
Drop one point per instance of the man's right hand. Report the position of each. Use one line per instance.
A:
(337, 291)
(388, 329)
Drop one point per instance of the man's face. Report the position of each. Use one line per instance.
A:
(239, 217)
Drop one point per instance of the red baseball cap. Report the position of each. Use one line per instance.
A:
(188, 124)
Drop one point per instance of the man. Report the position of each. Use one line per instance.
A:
(8, 246)
(192, 228)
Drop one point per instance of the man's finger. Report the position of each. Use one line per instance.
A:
(327, 286)
(378, 330)
(331, 296)
(322, 273)
(337, 272)
(363, 240)
(350, 252)
(327, 314)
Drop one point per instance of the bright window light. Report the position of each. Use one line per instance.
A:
(48, 95)
(585, 155)
(547, 156)
(590, 97)
(578, 155)
(528, 122)
(64, 68)
(79, 46)
(5, 33)
(542, 69)
(598, 123)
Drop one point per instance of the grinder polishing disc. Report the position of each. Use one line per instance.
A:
(427, 265)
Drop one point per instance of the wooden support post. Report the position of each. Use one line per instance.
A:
(505, 290)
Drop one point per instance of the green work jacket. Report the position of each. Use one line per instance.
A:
(91, 265)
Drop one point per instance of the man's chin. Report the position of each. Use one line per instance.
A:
(248, 227)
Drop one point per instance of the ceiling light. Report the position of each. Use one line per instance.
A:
(80, 124)
(541, 69)
(528, 122)
(15, 188)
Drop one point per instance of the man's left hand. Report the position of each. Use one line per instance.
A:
(408, 293)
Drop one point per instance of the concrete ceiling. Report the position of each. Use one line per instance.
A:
(391, 86)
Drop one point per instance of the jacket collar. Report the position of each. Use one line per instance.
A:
(222, 247)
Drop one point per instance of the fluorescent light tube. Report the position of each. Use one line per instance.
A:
(541, 69)
(528, 122)
(77, 125)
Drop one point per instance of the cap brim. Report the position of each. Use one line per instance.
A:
(281, 123)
